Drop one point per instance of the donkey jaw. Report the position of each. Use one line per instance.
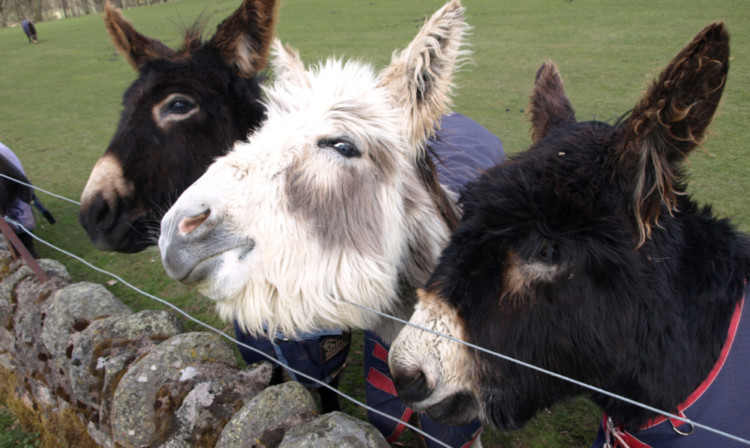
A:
(197, 250)
(457, 409)
(129, 234)
(423, 389)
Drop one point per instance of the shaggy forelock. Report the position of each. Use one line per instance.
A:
(343, 91)
(344, 203)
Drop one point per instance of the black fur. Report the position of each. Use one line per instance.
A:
(161, 162)
(645, 320)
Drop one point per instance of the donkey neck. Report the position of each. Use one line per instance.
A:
(460, 149)
(697, 304)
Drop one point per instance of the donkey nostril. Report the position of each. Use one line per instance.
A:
(191, 223)
(101, 213)
(412, 385)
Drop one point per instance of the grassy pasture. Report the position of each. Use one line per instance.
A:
(60, 103)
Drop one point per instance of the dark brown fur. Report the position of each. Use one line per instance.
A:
(670, 121)
(160, 160)
(586, 256)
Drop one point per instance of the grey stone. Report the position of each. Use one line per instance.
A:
(7, 309)
(72, 309)
(13, 274)
(18, 270)
(29, 354)
(134, 380)
(211, 403)
(6, 361)
(264, 420)
(155, 385)
(100, 437)
(111, 337)
(54, 268)
(334, 430)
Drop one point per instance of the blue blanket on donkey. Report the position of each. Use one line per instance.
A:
(720, 406)
(463, 149)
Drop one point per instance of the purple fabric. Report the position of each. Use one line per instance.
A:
(320, 355)
(20, 211)
(463, 149)
(29, 30)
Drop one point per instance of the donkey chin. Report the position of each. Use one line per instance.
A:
(450, 407)
(126, 234)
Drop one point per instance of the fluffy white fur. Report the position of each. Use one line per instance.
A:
(299, 268)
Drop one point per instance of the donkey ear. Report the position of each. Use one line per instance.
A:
(244, 38)
(420, 78)
(670, 120)
(287, 65)
(549, 106)
(137, 48)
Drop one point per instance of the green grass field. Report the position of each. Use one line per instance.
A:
(60, 103)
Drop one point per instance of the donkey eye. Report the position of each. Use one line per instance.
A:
(346, 149)
(549, 252)
(179, 106)
(343, 147)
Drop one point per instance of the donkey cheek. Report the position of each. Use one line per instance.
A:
(228, 278)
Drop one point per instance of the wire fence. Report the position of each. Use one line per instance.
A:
(387, 316)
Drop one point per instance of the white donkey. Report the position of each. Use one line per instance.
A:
(330, 199)
(335, 196)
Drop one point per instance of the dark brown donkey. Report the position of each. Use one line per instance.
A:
(185, 108)
(585, 256)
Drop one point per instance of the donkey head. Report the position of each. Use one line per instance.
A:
(582, 256)
(186, 108)
(327, 200)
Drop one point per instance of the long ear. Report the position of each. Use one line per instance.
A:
(420, 78)
(287, 65)
(670, 120)
(549, 106)
(137, 48)
(244, 38)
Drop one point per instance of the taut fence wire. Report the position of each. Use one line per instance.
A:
(402, 321)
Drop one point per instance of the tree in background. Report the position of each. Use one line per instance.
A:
(13, 11)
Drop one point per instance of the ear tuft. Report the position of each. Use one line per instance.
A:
(244, 38)
(420, 78)
(287, 64)
(137, 48)
(549, 106)
(670, 120)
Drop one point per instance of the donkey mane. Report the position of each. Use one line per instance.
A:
(193, 38)
(445, 205)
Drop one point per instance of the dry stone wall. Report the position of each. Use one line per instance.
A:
(137, 379)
